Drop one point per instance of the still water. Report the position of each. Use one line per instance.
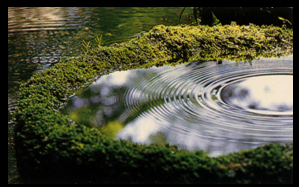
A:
(218, 108)
(39, 37)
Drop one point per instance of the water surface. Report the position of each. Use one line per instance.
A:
(219, 108)
(41, 36)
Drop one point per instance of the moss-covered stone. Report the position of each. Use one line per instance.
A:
(50, 147)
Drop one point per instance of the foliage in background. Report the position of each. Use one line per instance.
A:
(243, 15)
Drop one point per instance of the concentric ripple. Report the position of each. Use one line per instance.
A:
(216, 108)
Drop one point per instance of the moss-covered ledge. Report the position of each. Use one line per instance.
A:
(50, 148)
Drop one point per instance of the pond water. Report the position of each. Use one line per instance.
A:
(219, 108)
(39, 37)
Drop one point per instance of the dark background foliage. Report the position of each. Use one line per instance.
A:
(243, 15)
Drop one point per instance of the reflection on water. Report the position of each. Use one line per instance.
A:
(42, 18)
(272, 94)
(197, 106)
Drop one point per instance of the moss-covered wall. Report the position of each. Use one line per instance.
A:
(50, 148)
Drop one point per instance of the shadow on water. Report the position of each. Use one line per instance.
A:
(219, 108)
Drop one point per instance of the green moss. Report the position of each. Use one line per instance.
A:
(52, 148)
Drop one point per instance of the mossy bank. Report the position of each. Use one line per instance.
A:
(51, 148)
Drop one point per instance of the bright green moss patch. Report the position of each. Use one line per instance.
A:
(187, 43)
(52, 148)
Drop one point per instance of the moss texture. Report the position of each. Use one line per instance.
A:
(51, 148)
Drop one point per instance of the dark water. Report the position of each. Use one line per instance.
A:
(39, 37)
(197, 106)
